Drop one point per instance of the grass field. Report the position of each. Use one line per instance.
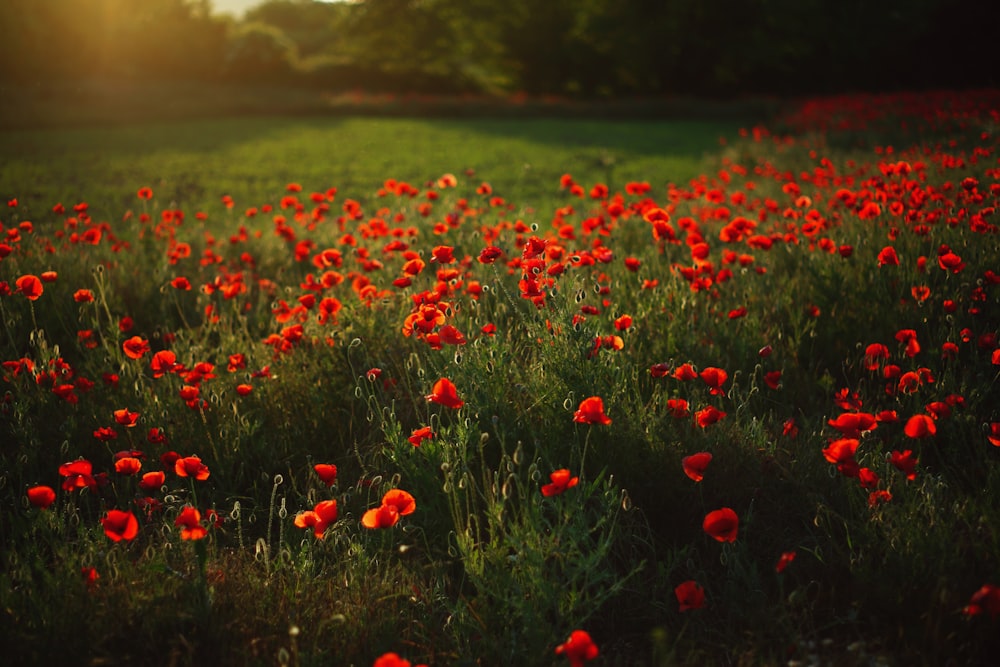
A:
(332, 390)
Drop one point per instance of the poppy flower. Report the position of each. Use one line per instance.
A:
(561, 481)
(78, 475)
(678, 408)
(119, 525)
(327, 473)
(684, 372)
(714, 378)
(401, 500)
(128, 465)
(489, 254)
(773, 379)
(319, 518)
(83, 296)
(695, 465)
(887, 256)
(41, 496)
(444, 393)
(152, 480)
(920, 426)
(392, 660)
(135, 347)
(874, 354)
(994, 435)
(905, 462)
(191, 466)
(721, 525)
(189, 521)
(784, 561)
(708, 416)
(29, 286)
(852, 424)
(126, 418)
(690, 595)
(591, 411)
(420, 434)
(384, 516)
(841, 453)
(578, 648)
(986, 599)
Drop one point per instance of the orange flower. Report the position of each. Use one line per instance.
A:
(444, 393)
(403, 502)
(578, 648)
(327, 473)
(152, 480)
(690, 595)
(30, 286)
(318, 518)
(189, 521)
(135, 347)
(561, 481)
(721, 525)
(128, 465)
(591, 411)
(41, 496)
(191, 466)
(395, 503)
(420, 434)
(695, 465)
(119, 525)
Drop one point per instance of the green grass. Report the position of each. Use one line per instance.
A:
(488, 570)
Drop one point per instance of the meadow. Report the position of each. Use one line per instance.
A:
(401, 391)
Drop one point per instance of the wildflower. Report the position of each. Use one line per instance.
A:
(318, 518)
(690, 595)
(678, 408)
(708, 416)
(77, 474)
(561, 481)
(578, 648)
(191, 466)
(994, 435)
(784, 561)
(189, 521)
(714, 378)
(695, 465)
(591, 411)
(327, 473)
(126, 418)
(128, 465)
(841, 453)
(919, 426)
(444, 393)
(392, 660)
(401, 500)
(152, 480)
(30, 286)
(135, 347)
(119, 525)
(887, 256)
(721, 525)
(41, 496)
(987, 599)
(145, 193)
(90, 576)
(395, 503)
(83, 296)
(773, 379)
(684, 372)
(905, 462)
(420, 434)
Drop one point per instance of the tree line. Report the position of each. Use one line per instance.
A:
(586, 48)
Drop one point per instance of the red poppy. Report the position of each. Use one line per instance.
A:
(986, 599)
(128, 465)
(442, 254)
(83, 296)
(145, 193)
(135, 347)
(909, 337)
(384, 516)
(690, 595)
(708, 416)
(401, 500)
(189, 521)
(420, 434)
(684, 372)
(887, 256)
(41, 496)
(561, 481)
(319, 518)
(327, 473)
(714, 378)
(784, 561)
(119, 525)
(578, 648)
(392, 660)
(852, 424)
(444, 393)
(678, 408)
(905, 462)
(994, 435)
(773, 379)
(30, 286)
(695, 465)
(90, 576)
(721, 525)
(152, 480)
(591, 411)
(489, 254)
(181, 283)
(191, 466)
(78, 475)
(841, 453)
(126, 418)
(920, 426)
(874, 353)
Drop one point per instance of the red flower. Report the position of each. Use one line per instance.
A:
(841, 453)
(77, 474)
(420, 434)
(920, 426)
(591, 411)
(444, 393)
(678, 408)
(145, 193)
(561, 481)
(714, 378)
(695, 465)
(83, 296)
(690, 595)
(126, 418)
(395, 503)
(401, 500)
(721, 525)
(985, 599)
(135, 347)
(189, 521)
(784, 561)
(994, 436)
(128, 465)
(41, 496)
(874, 353)
(191, 466)
(318, 518)
(906, 462)
(119, 525)
(773, 379)
(30, 286)
(888, 256)
(152, 480)
(181, 283)
(708, 416)
(852, 424)
(489, 254)
(684, 373)
(579, 648)
(392, 660)
(327, 473)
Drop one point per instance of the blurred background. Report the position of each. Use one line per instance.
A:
(576, 48)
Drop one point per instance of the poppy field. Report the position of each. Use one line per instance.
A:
(750, 417)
